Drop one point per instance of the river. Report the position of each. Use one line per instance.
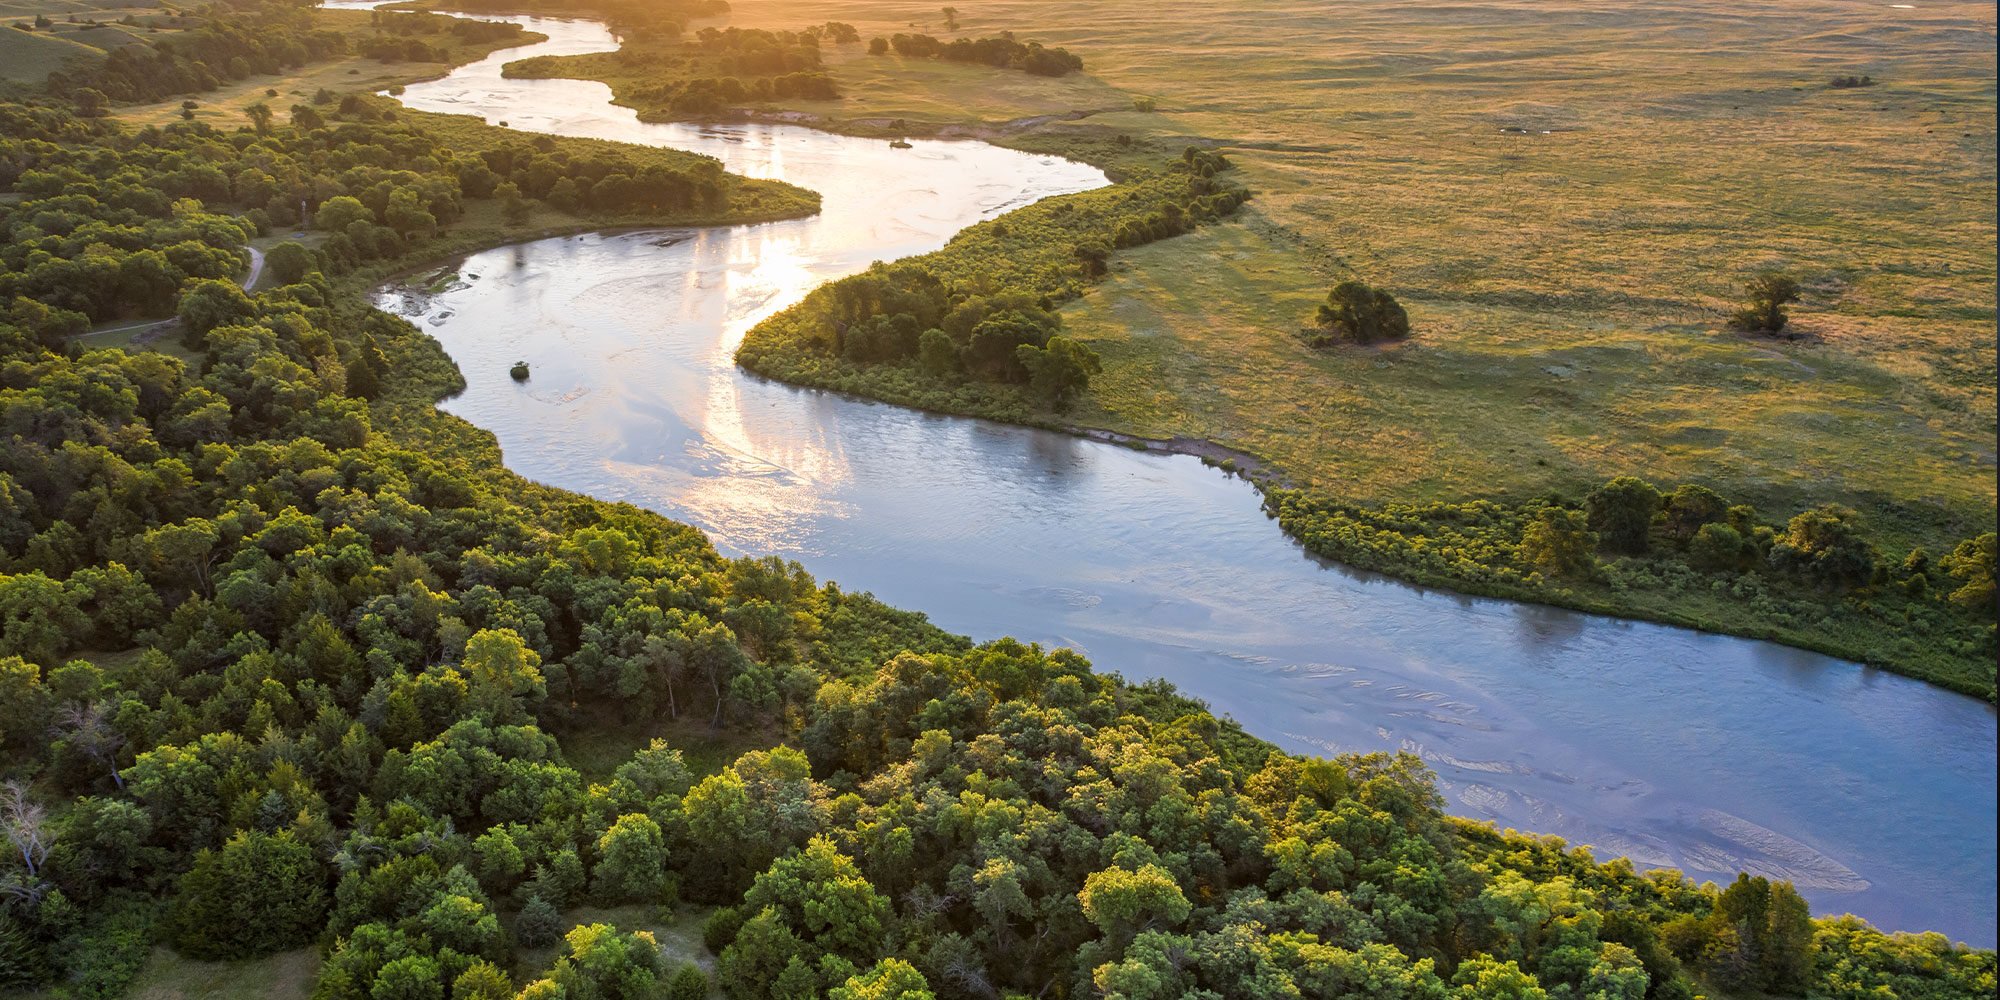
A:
(1875, 793)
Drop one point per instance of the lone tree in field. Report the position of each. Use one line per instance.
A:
(1770, 293)
(1357, 314)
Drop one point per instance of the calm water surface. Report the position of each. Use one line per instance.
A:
(1874, 793)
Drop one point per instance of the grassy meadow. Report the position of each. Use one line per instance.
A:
(1568, 198)
(27, 57)
(287, 975)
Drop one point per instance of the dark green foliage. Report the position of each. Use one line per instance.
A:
(1355, 313)
(258, 894)
(100, 957)
(1824, 546)
(720, 928)
(538, 924)
(813, 908)
(1002, 52)
(1717, 547)
(1688, 508)
(1759, 937)
(632, 862)
(1060, 370)
(1621, 512)
(132, 225)
(1819, 582)
(716, 69)
(688, 983)
(289, 262)
(396, 35)
(1769, 293)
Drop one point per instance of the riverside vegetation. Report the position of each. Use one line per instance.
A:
(290, 660)
(1914, 594)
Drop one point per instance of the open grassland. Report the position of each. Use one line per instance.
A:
(1567, 196)
(224, 106)
(677, 930)
(29, 57)
(880, 95)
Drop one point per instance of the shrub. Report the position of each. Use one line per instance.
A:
(289, 262)
(1358, 314)
(1621, 512)
(1718, 547)
(1559, 542)
(1769, 294)
(689, 983)
(1822, 546)
(720, 928)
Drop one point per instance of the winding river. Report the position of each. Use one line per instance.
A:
(1876, 794)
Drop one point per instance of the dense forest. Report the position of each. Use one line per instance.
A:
(114, 223)
(289, 660)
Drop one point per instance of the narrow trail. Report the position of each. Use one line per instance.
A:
(153, 329)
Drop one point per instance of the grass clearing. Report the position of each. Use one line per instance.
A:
(139, 335)
(288, 975)
(597, 749)
(677, 930)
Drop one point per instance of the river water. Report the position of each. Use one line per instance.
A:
(1875, 793)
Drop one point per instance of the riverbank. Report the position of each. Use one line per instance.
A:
(1157, 566)
(1900, 622)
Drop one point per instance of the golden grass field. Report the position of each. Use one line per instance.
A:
(1567, 195)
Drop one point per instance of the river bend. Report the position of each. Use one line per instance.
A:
(1875, 793)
